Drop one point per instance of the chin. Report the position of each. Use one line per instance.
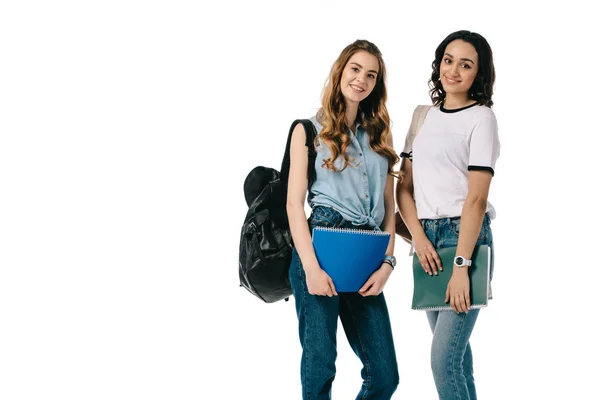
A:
(454, 90)
(353, 97)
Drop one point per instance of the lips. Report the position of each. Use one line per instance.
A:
(357, 89)
(451, 81)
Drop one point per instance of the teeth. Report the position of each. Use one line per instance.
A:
(357, 89)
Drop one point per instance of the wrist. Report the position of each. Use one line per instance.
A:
(462, 271)
(311, 267)
(462, 262)
(389, 260)
(419, 236)
(388, 265)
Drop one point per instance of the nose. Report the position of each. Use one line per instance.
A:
(454, 70)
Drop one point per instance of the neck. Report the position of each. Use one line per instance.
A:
(351, 112)
(458, 100)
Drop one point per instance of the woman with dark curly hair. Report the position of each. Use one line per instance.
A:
(354, 188)
(443, 197)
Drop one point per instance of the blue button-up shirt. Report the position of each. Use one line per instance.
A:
(357, 191)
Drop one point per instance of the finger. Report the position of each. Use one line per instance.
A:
(447, 295)
(423, 260)
(437, 260)
(367, 285)
(453, 304)
(462, 304)
(372, 290)
(332, 287)
(432, 265)
(368, 292)
(376, 288)
(468, 300)
(425, 264)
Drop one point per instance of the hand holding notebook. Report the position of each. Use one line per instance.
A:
(429, 292)
(349, 256)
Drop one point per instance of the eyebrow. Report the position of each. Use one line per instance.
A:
(462, 59)
(360, 66)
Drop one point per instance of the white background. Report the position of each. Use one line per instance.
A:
(127, 129)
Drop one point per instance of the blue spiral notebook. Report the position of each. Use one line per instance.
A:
(349, 256)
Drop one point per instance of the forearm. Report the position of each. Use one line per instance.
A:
(408, 212)
(470, 225)
(301, 235)
(389, 221)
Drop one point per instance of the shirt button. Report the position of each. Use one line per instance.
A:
(364, 174)
(360, 154)
(366, 196)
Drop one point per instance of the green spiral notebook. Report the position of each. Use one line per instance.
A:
(429, 292)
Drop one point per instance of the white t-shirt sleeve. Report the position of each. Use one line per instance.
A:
(484, 147)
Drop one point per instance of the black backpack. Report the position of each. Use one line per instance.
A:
(266, 242)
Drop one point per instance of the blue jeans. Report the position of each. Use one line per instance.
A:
(451, 356)
(365, 321)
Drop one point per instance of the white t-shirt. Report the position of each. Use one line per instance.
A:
(448, 145)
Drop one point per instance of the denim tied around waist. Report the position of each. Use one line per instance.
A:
(331, 218)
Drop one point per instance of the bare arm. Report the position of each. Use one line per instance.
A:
(428, 257)
(458, 292)
(473, 211)
(406, 201)
(376, 282)
(317, 280)
(297, 190)
(389, 223)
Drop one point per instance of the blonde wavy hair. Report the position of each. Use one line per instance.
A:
(372, 113)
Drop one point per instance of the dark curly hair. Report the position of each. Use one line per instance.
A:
(483, 85)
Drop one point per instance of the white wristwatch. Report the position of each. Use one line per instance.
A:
(460, 262)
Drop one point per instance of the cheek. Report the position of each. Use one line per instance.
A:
(372, 88)
(470, 78)
(346, 78)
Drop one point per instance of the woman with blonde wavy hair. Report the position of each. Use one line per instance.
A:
(354, 188)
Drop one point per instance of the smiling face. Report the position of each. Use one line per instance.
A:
(359, 77)
(459, 67)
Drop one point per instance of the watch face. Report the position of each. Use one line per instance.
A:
(459, 261)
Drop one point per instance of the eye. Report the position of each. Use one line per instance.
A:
(355, 69)
(466, 66)
(447, 61)
(371, 76)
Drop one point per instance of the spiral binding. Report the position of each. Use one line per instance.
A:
(445, 308)
(349, 230)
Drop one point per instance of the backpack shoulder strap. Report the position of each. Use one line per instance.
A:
(311, 133)
(417, 120)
